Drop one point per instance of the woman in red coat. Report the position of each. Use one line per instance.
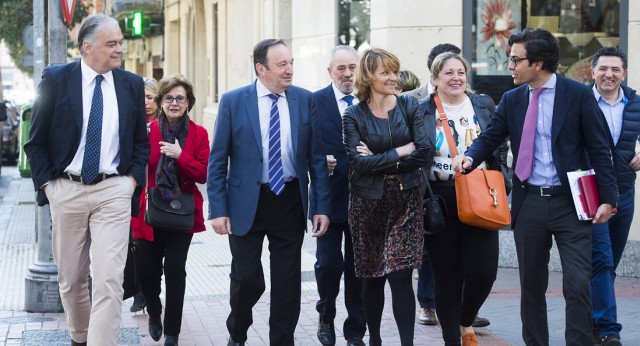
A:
(178, 160)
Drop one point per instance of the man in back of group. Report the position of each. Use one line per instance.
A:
(87, 151)
(555, 127)
(330, 260)
(265, 147)
(621, 110)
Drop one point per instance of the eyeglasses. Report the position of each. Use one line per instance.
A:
(169, 99)
(516, 59)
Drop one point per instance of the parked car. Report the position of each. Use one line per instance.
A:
(10, 135)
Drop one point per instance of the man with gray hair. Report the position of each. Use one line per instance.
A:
(87, 150)
(330, 263)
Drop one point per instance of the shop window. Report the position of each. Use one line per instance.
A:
(353, 23)
(581, 27)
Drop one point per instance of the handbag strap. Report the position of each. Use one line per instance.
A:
(447, 129)
(429, 188)
(146, 180)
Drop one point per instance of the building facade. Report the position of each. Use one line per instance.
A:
(211, 41)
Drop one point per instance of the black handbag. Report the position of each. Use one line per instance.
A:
(435, 213)
(131, 283)
(175, 215)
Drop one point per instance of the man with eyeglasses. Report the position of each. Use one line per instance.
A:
(555, 127)
(620, 107)
(87, 150)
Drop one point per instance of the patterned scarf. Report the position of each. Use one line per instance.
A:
(167, 172)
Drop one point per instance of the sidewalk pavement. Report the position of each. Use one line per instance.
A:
(206, 298)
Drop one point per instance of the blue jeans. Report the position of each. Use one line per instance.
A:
(609, 240)
(425, 282)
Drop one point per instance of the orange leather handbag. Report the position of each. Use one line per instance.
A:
(481, 194)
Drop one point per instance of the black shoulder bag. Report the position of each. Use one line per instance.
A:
(435, 212)
(435, 209)
(175, 215)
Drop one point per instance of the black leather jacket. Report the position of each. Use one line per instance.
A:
(483, 107)
(382, 136)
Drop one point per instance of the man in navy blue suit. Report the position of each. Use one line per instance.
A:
(330, 261)
(87, 150)
(555, 127)
(265, 146)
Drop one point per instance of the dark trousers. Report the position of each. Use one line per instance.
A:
(609, 240)
(542, 219)
(173, 247)
(425, 291)
(329, 267)
(465, 264)
(281, 219)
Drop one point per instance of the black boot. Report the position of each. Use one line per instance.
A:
(155, 327)
(170, 340)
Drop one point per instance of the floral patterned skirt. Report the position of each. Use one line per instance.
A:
(387, 233)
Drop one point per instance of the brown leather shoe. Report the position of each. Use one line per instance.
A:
(427, 317)
(469, 339)
(480, 322)
(611, 340)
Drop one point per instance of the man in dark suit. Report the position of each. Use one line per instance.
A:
(555, 127)
(266, 143)
(330, 263)
(87, 150)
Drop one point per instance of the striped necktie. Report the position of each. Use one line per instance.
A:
(276, 176)
(91, 159)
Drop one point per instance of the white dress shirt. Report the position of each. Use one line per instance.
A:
(342, 104)
(286, 145)
(110, 147)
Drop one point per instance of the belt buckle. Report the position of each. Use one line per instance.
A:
(70, 177)
(542, 191)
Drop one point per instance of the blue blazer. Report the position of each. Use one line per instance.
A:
(578, 137)
(235, 164)
(330, 125)
(56, 125)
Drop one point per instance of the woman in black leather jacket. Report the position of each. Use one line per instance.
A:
(387, 145)
(464, 258)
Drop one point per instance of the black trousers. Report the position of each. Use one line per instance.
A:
(329, 267)
(465, 264)
(540, 220)
(281, 219)
(173, 247)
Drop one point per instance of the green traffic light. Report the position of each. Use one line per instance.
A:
(136, 25)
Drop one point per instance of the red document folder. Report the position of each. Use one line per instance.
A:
(589, 195)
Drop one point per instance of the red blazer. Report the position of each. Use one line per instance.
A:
(193, 169)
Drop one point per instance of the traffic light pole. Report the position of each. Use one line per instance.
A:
(41, 284)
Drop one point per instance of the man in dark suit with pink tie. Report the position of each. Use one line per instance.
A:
(555, 127)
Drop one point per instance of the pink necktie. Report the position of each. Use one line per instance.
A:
(524, 167)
